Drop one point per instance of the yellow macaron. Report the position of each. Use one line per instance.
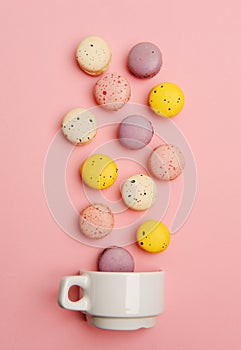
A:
(99, 171)
(153, 236)
(166, 99)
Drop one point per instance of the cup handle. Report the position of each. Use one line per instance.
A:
(63, 298)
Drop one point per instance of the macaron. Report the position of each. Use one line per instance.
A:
(99, 171)
(96, 221)
(93, 55)
(166, 99)
(112, 91)
(135, 132)
(153, 236)
(116, 259)
(79, 126)
(139, 192)
(144, 60)
(166, 162)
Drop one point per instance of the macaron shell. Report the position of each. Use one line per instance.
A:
(139, 192)
(153, 236)
(93, 55)
(99, 171)
(166, 162)
(145, 60)
(166, 99)
(96, 221)
(112, 91)
(79, 126)
(135, 132)
(116, 259)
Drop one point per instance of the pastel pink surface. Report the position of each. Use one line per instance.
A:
(40, 81)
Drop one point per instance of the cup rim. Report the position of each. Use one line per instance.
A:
(122, 273)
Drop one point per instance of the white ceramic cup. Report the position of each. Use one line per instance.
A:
(116, 300)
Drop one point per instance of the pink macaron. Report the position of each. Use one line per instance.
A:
(144, 60)
(96, 221)
(112, 91)
(116, 259)
(135, 132)
(166, 162)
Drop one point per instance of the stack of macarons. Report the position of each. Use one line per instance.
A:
(166, 162)
(112, 91)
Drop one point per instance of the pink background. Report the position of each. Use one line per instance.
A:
(40, 82)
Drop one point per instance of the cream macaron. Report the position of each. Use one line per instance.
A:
(79, 126)
(93, 55)
(139, 192)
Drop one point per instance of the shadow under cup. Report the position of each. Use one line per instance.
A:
(116, 300)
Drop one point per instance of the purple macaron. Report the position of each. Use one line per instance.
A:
(145, 60)
(116, 259)
(135, 132)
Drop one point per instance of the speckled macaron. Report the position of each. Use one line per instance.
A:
(112, 91)
(96, 221)
(166, 162)
(166, 99)
(144, 60)
(139, 192)
(135, 132)
(116, 259)
(79, 126)
(93, 55)
(153, 236)
(99, 171)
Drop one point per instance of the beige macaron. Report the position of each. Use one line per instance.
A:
(93, 55)
(79, 126)
(139, 192)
